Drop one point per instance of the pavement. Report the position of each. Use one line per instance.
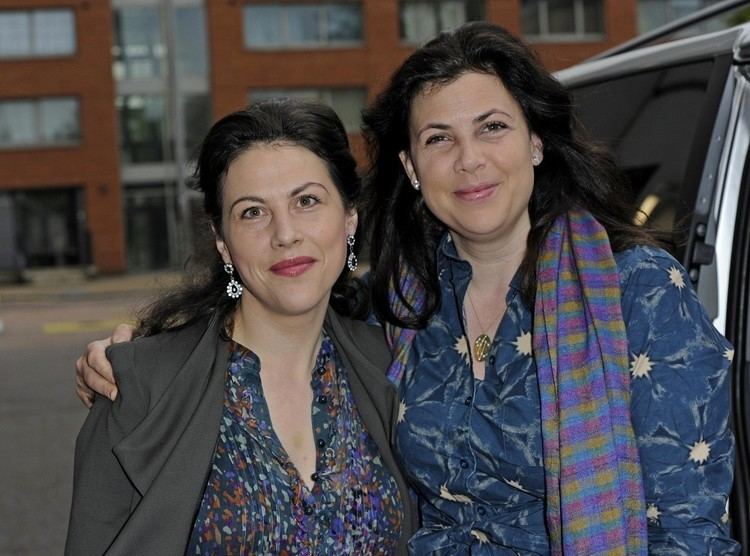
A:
(64, 287)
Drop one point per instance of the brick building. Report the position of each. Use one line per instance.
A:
(104, 102)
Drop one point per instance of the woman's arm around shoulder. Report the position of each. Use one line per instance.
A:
(680, 398)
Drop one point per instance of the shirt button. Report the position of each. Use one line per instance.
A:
(321, 371)
(315, 477)
(491, 360)
(467, 401)
(321, 443)
(322, 399)
(308, 509)
(464, 464)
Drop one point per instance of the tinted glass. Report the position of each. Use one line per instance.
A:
(304, 24)
(262, 25)
(649, 120)
(59, 120)
(54, 32)
(139, 48)
(561, 15)
(345, 22)
(190, 42)
(142, 123)
(15, 34)
(17, 123)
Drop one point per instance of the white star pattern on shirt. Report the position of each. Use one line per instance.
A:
(462, 347)
(523, 343)
(640, 366)
(401, 411)
(675, 277)
(448, 495)
(699, 452)
(729, 354)
(725, 518)
(480, 536)
(515, 484)
(652, 512)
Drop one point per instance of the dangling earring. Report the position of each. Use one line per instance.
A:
(234, 288)
(351, 260)
(415, 184)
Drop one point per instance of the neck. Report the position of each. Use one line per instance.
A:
(493, 262)
(288, 343)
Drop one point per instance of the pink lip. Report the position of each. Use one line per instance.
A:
(292, 267)
(475, 192)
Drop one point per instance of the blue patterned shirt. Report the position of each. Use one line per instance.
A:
(473, 448)
(255, 501)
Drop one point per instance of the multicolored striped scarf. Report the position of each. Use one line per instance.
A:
(595, 502)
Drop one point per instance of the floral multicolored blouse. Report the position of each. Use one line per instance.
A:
(473, 448)
(255, 501)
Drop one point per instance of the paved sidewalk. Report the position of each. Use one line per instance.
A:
(96, 287)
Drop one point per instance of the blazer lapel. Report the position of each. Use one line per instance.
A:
(168, 456)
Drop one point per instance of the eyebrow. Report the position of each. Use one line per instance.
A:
(479, 119)
(292, 193)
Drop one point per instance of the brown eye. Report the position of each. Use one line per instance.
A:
(252, 212)
(306, 201)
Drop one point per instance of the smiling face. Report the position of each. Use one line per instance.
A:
(473, 154)
(284, 229)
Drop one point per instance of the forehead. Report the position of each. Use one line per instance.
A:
(272, 170)
(467, 96)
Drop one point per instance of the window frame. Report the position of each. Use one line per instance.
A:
(29, 13)
(406, 41)
(579, 18)
(322, 94)
(38, 124)
(285, 42)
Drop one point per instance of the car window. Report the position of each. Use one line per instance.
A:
(650, 120)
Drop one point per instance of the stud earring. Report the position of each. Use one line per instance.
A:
(351, 260)
(234, 288)
(415, 184)
(536, 159)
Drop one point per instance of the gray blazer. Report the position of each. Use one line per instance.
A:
(142, 461)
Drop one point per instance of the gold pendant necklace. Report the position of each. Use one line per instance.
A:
(483, 342)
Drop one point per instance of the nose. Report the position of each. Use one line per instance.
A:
(285, 231)
(470, 157)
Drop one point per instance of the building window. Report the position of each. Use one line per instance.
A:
(142, 128)
(276, 25)
(563, 20)
(655, 13)
(37, 33)
(39, 122)
(139, 51)
(423, 19)
(347, 102)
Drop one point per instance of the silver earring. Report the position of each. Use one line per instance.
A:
(415, 184)
(234, 288)
(536, 159)
(351, 260)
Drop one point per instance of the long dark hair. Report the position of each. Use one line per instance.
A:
(313, 126)
(575, 172)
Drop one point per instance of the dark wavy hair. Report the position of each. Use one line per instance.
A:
(575, 172)
(315, 127)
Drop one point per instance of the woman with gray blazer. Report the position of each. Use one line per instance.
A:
(252, 417)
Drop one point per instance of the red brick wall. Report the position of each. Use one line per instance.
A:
(94, 164)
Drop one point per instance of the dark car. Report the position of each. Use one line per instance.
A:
(677, 116)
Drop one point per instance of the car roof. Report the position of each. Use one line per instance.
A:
(734, 40)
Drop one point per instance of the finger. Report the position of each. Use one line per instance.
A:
(84, 393)
(96, 363)
(122, 333)
(98, 383)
